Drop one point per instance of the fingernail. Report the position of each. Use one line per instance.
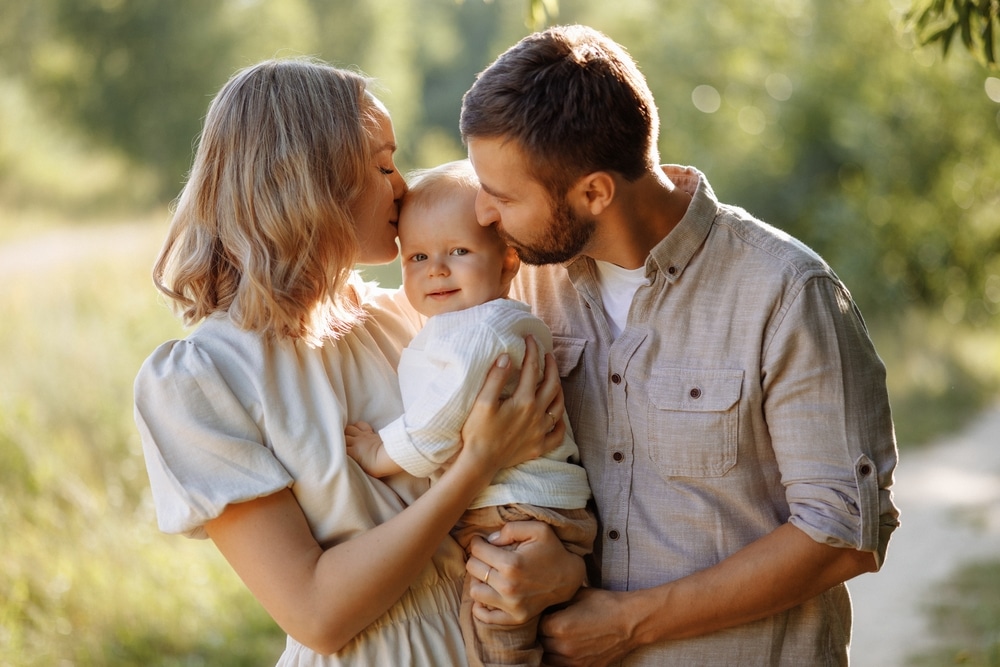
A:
(503, 361)
(494, 537)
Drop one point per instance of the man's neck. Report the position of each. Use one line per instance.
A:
(642, 214)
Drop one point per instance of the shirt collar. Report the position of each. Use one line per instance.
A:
(671, 255)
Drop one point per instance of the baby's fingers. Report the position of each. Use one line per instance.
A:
(358, 428)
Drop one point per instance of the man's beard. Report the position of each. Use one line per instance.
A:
(568, 234)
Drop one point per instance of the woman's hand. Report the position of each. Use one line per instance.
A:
(529, 423)
(526, 568)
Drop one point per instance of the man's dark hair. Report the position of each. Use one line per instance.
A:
(573, 100)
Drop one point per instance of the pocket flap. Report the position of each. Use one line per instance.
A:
(567, 352)
(696, 389)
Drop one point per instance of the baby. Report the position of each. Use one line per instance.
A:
(457, 273)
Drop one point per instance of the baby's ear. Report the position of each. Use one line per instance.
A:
(511, 265)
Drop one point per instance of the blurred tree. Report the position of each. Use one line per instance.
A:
(540, 12)
(976, 22)
(136, 74)
(807, 113)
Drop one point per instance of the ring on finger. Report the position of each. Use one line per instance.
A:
(486, 579)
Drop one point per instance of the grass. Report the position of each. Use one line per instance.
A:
(966, 619)
(940, 375)
(87, 579)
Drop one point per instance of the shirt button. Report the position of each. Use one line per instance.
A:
(618, 456)
(616, 378)
(864, 470)
(614, 534)
(695, 392)
(672, 270)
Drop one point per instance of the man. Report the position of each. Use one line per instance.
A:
(730, 408)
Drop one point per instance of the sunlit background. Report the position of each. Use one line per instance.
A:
(826, 119)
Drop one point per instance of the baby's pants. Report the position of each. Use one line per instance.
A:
(488, 644)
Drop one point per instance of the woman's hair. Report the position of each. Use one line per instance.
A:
(573, 100)
(262, 229)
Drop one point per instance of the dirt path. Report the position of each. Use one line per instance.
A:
(69, 245)
(949, 500)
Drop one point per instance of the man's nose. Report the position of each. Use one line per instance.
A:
(486, 211)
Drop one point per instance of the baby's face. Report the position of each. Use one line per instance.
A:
(450, 262)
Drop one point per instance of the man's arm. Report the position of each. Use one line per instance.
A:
(773, 574)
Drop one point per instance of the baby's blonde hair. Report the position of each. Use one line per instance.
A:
(427, 186)
(263, 229)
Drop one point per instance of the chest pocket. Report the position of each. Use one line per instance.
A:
(568, 353)
(693, 421)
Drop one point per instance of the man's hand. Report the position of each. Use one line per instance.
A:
(529, 570)
(592, 631)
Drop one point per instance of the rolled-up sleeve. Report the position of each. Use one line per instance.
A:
(828, 414)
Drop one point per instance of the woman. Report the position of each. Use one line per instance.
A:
(243, 422)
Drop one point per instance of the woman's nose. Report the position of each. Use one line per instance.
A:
(399, 186)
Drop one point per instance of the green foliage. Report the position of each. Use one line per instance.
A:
(940, 375)
(541, 13)
(975, 22)
(965, 617)
(86, 577)
(111, 68)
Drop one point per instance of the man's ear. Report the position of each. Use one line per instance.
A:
(594, 192)
(511, 265)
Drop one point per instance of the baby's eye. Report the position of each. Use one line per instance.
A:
(459, 252)
(418, 257)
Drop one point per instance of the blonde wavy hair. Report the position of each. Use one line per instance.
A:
(263, 229)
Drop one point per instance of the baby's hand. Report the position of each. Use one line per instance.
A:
(365, 446)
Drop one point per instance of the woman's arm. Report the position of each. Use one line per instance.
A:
(325, 598)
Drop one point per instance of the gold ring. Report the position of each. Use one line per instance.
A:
(486, 579)
(554, 418)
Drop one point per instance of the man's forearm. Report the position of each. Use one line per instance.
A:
(777, 572)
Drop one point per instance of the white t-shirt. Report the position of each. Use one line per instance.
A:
(618, 286)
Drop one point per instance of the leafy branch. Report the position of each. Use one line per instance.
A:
(976, 22)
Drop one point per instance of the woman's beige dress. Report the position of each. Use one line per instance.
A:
(227, 416)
